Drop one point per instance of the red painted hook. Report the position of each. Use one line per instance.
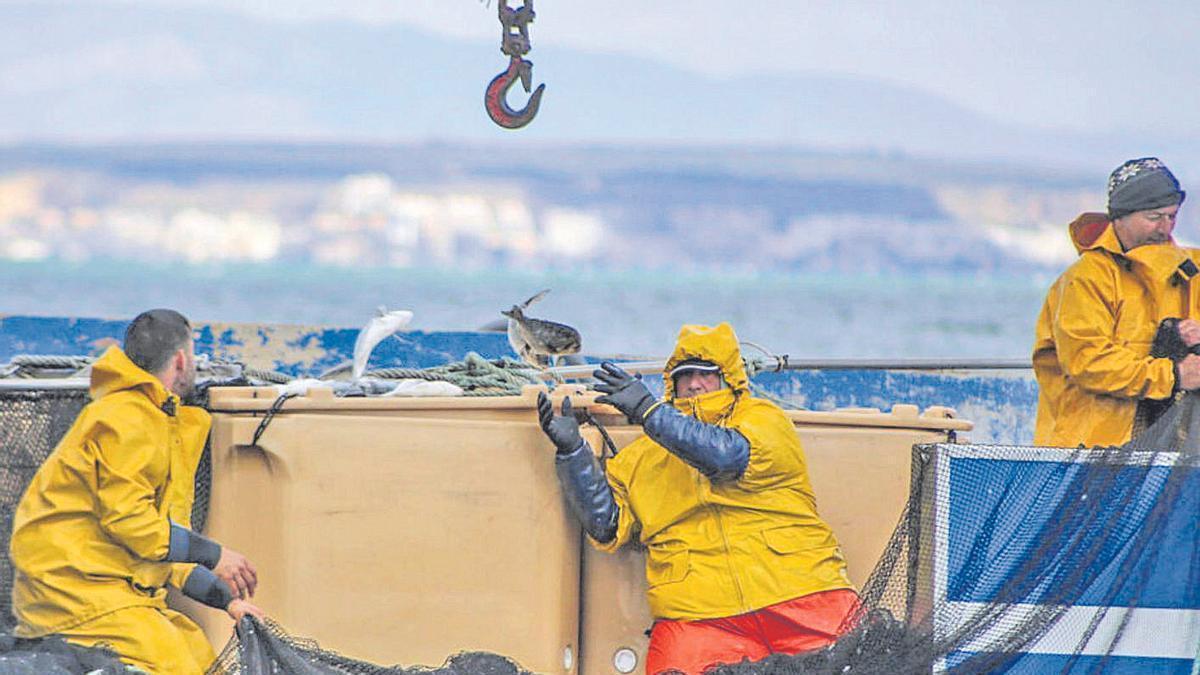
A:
(497, 91)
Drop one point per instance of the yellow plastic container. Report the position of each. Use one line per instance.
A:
(399, 531)
(402, 531)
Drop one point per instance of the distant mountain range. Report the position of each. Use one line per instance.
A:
(102, 71)
(567, 206)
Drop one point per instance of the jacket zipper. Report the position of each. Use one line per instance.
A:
(173, 445)
(716, 514)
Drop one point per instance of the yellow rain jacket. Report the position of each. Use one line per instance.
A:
(726, 548)
(91, 532)
(1091, 354)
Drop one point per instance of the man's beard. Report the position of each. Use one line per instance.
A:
(184, 386)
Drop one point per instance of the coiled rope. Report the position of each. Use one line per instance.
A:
(266, 375)
(475, 375)
(29, 366)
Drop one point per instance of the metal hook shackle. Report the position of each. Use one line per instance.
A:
(496, 101)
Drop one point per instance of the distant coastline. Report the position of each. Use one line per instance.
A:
(917, 314)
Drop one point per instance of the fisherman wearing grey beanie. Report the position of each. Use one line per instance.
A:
(1140, 185)
(1102, 378)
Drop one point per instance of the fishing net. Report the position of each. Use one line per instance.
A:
(31, 423)
(55, 656)
(264, 648)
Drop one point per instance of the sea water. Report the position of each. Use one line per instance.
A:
(919, 314)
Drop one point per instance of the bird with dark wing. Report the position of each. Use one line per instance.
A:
(538, 340)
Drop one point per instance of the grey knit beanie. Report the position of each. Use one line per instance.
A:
(1141, 184)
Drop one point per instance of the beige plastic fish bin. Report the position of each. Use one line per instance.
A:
(402, 531)
(859, 462)
(399, 531)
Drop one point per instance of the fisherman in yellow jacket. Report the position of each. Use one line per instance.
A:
(739, 564)
(104, 526)
(1092, 351)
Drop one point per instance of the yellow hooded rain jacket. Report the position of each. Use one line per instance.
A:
(91, 532)
(723, 549)
(1091, 354)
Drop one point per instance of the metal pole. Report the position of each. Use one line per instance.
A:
(48, 383)
(774, 365)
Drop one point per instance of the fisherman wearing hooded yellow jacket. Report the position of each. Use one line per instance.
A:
(1092, 350)
(105, 524)
(739, 564)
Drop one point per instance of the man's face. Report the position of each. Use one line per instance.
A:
(691, 383)
(185, 380)
(1152, 226)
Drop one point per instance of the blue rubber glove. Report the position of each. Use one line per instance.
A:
(563, 430)
(623, 392)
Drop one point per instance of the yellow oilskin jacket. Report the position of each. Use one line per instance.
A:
(1091, 353)
(93, 528)
(726, 548)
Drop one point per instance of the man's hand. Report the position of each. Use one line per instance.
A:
(1189, 372)
(239, 608)
(623, 392)
(1189, 332)
(236, 570)
(563, 430)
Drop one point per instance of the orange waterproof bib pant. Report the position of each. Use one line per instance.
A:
(790, 627)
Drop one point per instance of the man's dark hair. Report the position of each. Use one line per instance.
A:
(154, 336)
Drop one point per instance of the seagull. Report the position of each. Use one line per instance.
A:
(383, 324)
(536, 340)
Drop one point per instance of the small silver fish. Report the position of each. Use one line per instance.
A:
(536, 340)
(383, 324)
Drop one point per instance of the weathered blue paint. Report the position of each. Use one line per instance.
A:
(1001, 403)
(55, 336)
(312, 351)
(293, 350)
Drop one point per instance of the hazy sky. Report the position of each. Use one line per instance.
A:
(1060, 64)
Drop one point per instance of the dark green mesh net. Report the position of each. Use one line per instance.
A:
(31, 423)
(264, 648)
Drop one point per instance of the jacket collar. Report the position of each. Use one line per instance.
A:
(1095, 232)
(114, 372)
(711, 408)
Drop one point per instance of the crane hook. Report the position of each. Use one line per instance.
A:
(497, 90)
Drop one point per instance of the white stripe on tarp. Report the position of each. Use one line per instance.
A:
(941, 531)
(1033, 453)
(1150, 633)
(941, 550)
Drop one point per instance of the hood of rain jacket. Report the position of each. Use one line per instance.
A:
(1091, 353)
(93, 528)
(722, 549)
